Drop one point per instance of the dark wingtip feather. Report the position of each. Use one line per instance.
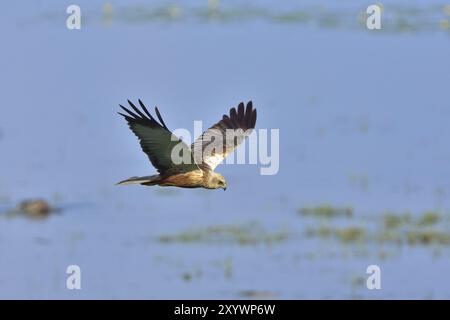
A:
(241, 110)
(233, 113)
(160, 118)
(136, 110)
(128, 111)
(128, 118)
(241, 116)
(248, 114)
(253, 120)
(145, 109)
(233, 118)
(249, 107)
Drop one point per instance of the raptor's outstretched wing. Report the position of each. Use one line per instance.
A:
(157, 141)
(225, 136)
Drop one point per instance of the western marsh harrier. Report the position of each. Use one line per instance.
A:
(206, 153)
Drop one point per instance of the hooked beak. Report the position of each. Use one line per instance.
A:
(224, 188)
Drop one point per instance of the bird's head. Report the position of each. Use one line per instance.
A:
(217, 181)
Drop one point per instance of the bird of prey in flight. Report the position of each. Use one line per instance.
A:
(205, 154)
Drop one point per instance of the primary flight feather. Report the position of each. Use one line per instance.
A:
(200, 160)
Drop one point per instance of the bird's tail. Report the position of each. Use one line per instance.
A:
(147, 180)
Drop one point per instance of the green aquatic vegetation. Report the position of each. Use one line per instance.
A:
(351, 234)
(329, 20)
(344, 234)
(326, 211)
(240, 234)
(321, 232)
(405, 18)
(394, 228)
(254, 294)
(186, 236)
(186, 276)
(230, 14)
(358, 281)
(389, 236)
(228, 267)
(191, 275)
(294, 16)
(141, 13)
(428, 237)
(428, 218)
(393, 220)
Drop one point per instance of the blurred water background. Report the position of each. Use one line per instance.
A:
(364, 154)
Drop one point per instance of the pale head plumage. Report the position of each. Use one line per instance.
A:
(216, 181)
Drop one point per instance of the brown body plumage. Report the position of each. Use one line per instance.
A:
(158, 142)
(191, 179)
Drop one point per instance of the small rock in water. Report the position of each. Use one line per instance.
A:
(35, 208)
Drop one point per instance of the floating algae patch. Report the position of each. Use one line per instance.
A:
(428, 218)
(321, 232)
(186, 276)
(139, 13)
(255, 294)
(384, 254)
(428, 237)
(392, 220)
(358, 281)
(228, 267)
(391, 228)
(351, 234)
(230, 14)
(326, 211)
(403, 228)
(191, 275)
(392, 236)
(408, 18)
(240, 234)
(293, 16)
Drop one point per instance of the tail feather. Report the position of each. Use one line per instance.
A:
(140, 180)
